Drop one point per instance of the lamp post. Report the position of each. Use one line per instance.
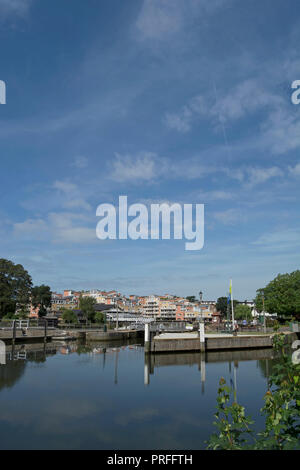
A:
(200, 299)
(201, 327)
(264, 313)
(117, 323)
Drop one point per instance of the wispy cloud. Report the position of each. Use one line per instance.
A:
(14, 8)
(279, 129)
(160, 19)
(228, 217)
(62, 227)
(215, 195)
(295, 170)
(71, 197)
(148, 166)
(282, 239)
(182, 121)
(80, 162)
(242, 100)
(140, 168)
(261, 175)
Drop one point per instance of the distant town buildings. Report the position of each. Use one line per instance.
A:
(157, 307)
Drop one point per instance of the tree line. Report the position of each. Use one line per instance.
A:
(281, 296)
(17, 291)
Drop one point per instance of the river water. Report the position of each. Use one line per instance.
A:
(108, 396)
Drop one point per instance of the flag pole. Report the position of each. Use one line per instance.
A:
(232, 311)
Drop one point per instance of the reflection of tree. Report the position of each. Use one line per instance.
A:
(83, 349)
(266, 366)
(11, 373)
(37, 357)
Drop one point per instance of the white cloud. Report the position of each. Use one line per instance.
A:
(148, 166)
(26, 229)
(80, 162)
(159, 19)
(128, 168)
(14, 7)
(228, 217)
(245, 98)
(58, 227)
(289, 238)
(281, 132)
(295, 170)
(215, 196)
(65, 186)
(77, 204)
(182, 121)
(71, 195)
(261, 175)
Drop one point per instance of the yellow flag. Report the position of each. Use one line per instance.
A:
(230, 287)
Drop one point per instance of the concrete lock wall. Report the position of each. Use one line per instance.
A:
(217, 343)
(2, 353)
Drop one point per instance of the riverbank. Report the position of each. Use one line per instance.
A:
(37, 334)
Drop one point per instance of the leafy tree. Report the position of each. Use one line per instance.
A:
(222, 305)
(15, 287)
(242, 312)
(99, 317)
(282, 295)
(41, 297)
(9, 316)
(191, 298)
(86, 304)
(69, 316)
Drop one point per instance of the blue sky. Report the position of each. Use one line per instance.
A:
(159, 100)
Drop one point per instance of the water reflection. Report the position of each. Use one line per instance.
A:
(111, 395)
(263, 357)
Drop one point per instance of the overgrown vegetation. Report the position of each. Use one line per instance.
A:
(281, 411)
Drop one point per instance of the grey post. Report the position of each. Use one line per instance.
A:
(147, 338)
(14, 332)
(202, 335)
(201, 327)
(2, 353)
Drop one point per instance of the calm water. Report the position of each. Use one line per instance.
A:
(76, 398)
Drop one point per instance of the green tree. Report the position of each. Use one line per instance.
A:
(281, 296)
(86, 304)
(15, 287)
(99, 317)
(242, 312)
(222, 305)
(41, 297)
(191, 298)
(69, 316)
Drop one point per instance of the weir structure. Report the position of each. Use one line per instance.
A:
(201, 341)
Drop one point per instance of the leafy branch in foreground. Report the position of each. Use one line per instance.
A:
(282, 404)
(231, 421)
(281, 410)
